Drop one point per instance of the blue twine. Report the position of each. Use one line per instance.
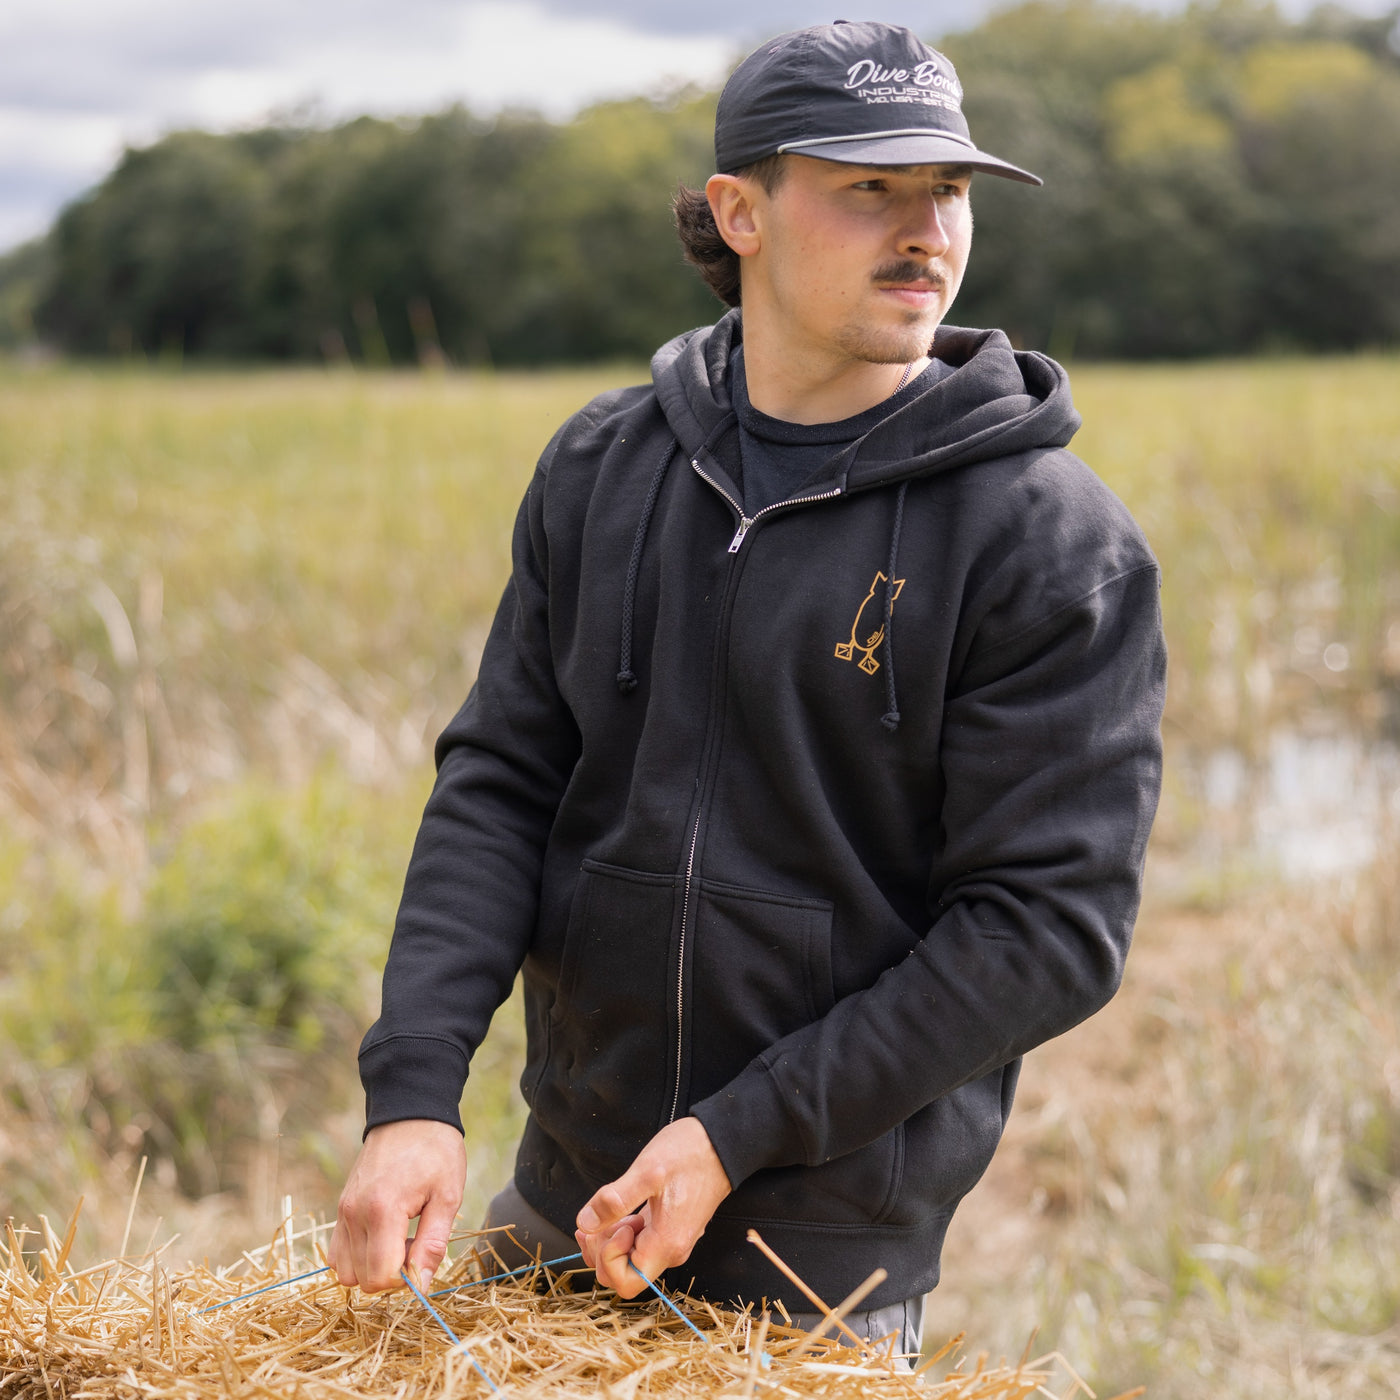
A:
(495, 1278)
(669, 1303)
(281, 1283)
(311, 1273)
(709, 1341)
(514, 1273)
(457, 1341)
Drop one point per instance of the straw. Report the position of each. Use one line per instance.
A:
(754, 1238)
(131, 1210)
(668, 1302)
(150, 1328)
(512, 1273)
(456, 1340)
(266, 1288)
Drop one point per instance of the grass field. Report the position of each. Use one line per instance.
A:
(235, 609)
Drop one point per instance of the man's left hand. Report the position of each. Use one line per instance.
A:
(654, 1212)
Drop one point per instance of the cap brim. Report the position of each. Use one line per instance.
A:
(913, 149)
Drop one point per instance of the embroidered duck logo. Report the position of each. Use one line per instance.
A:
(846, 651)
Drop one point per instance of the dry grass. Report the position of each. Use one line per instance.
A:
(133, 1327)
(1200, 1187)
(209, 574)
(220, 593)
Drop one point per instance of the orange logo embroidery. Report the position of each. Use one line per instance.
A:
(846, 651)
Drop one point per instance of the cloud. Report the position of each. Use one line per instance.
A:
(79, 79)
(30, 195)
(45, 162)
(752, 20)
(748, 21)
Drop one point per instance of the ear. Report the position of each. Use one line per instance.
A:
(734, 201)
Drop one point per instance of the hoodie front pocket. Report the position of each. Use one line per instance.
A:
(759, 969)
(602, 1089)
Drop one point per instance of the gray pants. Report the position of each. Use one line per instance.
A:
(533, 1237)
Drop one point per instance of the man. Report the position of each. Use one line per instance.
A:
(810, 767)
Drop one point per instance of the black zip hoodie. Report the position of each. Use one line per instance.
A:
(808, 826)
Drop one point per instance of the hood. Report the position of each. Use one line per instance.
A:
(997, 402)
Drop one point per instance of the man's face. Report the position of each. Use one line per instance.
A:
(862, 261)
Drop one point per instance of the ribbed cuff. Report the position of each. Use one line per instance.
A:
(749, 1125)
(412, 1076)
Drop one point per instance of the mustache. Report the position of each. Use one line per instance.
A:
(906, 273)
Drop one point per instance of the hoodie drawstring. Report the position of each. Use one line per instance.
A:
(626, 679)
(891, 717)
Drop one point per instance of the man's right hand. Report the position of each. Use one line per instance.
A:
(414, 1167)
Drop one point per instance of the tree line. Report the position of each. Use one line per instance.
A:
(1222, 180)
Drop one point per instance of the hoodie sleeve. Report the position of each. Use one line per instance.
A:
(470, 896)
(1051, 759)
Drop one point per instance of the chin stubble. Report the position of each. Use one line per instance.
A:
(895, 345)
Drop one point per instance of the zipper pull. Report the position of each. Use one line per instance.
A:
(744, 523)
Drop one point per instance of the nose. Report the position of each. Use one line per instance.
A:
(925, 231)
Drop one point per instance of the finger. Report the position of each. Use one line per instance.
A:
(385, 1247)
(612, 1203)
(429, 1244)
(591, 1245)
(348, 1244)
(654, 1253)
(585, 1245)
(339, 1255)
(661, 1241)
(614, 1256)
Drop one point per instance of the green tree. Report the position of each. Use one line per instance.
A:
(1319, 132)
(603, 271)
(157, 258)
(1218, 180)
(1033, 77)
(21, 272)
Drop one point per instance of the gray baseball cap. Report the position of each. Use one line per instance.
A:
(864, 93)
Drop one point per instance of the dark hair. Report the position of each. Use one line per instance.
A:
(705, 249)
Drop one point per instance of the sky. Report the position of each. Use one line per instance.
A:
(82, 79)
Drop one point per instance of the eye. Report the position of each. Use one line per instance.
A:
(872, 183)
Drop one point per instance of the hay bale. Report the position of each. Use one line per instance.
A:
(133, 1329)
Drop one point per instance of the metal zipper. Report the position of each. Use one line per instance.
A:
(745, 523)
(680, 968)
